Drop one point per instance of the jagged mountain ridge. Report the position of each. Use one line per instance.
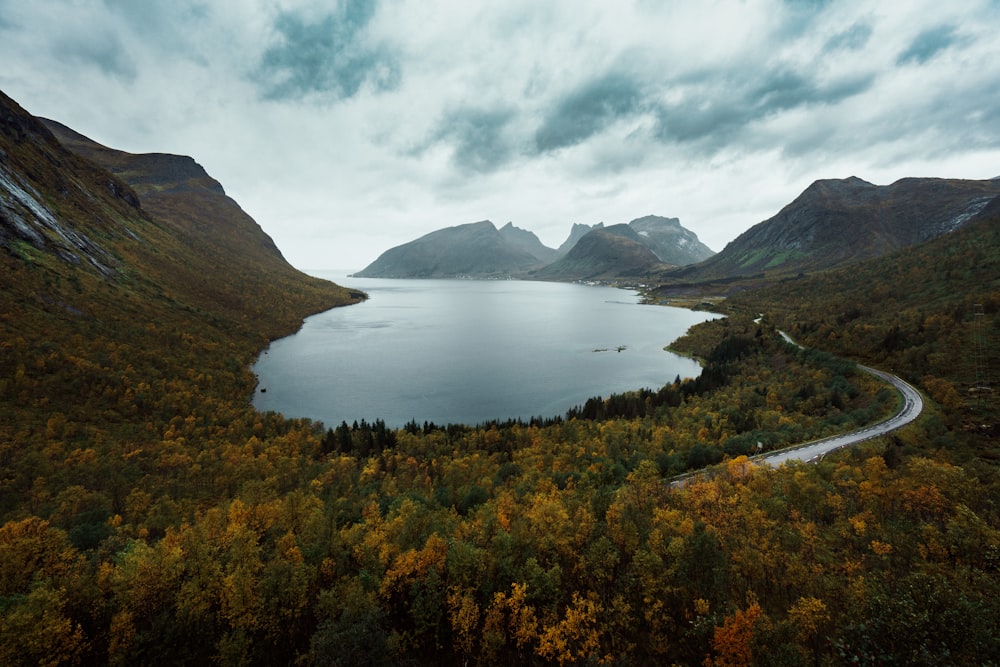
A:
(670, 241)
(576, 232)
(835, 222)
(527, 241)
(479, 250)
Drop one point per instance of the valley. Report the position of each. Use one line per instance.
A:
(149, 514)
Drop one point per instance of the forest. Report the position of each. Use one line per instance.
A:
(235, 537)
(148, 515)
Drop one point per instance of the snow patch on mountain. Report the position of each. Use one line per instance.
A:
(973, 209)
(24, 217)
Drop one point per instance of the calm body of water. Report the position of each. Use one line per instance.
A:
(467, 351)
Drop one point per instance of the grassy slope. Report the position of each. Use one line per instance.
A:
(841, 222)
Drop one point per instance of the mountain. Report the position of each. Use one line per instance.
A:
(577, 232)
(474, 250)
(149, 515)
(605, 253)
(55, 207)
(840, 221)
(643, 248)
(209, 253)
(671, 242)
(480, 250)
(929, 310)
(108, 280)
(527, 241)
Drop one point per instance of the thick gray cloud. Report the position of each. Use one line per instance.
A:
(329, 55)
(716, 114)
(346, 127)
(587, 110)
(480, 137)
(103, 50)
(928, 44)
(853, 38)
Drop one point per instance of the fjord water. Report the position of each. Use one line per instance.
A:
(469, 351)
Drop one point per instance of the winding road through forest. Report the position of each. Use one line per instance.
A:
(913, 404)
(815, 450)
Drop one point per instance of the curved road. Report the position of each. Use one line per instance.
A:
(809, 452)
(913, 404)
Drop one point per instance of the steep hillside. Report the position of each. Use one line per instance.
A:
(837, 222)
(54, 206)
(926, 311)
(604, 253)
(216, 257)
(104, 287)
(474, 250)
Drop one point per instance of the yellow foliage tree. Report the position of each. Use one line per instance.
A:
(574, 637)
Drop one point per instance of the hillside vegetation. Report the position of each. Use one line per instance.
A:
(149, 516)
(931, 313)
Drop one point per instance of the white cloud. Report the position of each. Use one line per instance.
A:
(347, 128)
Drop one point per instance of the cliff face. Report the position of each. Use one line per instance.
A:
(54, 205)
(516, 237)
(89, 230)
(194, 243)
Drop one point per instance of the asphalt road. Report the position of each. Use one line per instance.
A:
(812, 451)
(913, 404)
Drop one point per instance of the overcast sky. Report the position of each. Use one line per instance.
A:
(345, 128)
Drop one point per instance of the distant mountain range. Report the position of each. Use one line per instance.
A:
(833, 223)
(836, 222)
(643, 247)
